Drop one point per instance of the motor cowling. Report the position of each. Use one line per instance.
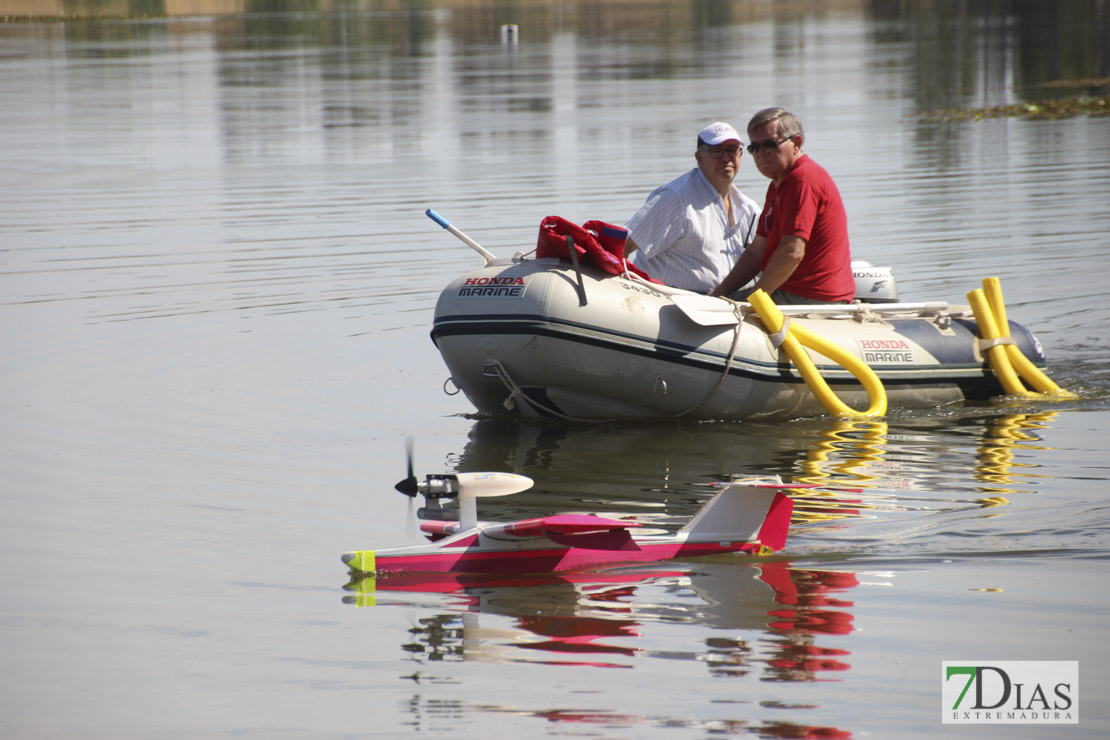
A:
(874, 284)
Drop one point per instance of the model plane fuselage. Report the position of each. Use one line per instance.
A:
(750, 516)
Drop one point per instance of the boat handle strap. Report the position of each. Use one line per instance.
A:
(780, 336)
(985, 344)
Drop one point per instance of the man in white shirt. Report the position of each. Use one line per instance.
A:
(690, 232)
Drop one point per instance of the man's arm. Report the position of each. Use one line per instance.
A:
(745, 268)
(630, 247)
(783, 262)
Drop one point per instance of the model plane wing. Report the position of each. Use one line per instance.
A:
(555, 526)
(565, 524)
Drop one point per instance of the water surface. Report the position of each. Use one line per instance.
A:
(216, 287)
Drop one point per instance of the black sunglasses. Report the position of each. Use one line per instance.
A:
(755, 146)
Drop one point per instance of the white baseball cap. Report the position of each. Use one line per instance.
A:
(717, 133)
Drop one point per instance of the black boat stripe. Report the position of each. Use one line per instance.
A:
(673, 352)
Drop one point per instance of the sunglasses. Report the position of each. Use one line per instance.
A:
(755, 146)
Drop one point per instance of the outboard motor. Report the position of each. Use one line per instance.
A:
(874, 284)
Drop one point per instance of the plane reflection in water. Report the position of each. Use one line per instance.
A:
(590, 618)
(764, 621)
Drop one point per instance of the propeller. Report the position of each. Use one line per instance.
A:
(409, 486)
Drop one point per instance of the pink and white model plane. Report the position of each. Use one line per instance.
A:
(749, 516)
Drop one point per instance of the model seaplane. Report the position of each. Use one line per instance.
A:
(748, 516)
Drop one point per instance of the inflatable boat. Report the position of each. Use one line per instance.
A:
(571, 331)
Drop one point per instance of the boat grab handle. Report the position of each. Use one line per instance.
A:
(577, 270)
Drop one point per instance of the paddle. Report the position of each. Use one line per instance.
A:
(706, 310)
(486, 254)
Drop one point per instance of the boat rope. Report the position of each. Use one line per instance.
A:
(516, 393)
(736, 309)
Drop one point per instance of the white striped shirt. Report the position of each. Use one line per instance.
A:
(683, 232)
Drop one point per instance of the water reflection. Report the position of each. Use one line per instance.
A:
(768, 621)
(866, 441)
(575, 618)
(962, 51)
(422, 710)
(868, 455)
(812, 604)
(860, 465)
(1003, 438)
(971, 54)
(275, 166)
(251, 142)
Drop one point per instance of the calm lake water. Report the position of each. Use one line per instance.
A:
(216, 287)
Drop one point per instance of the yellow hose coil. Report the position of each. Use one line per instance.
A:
(1029, 372)
(796, 337)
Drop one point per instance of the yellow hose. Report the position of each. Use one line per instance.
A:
(796, 337)
(996, 355)
(1029, 372)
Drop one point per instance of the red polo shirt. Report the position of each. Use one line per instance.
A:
(807, 204)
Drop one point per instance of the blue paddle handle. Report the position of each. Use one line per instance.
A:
(437, 218)
(486, 255)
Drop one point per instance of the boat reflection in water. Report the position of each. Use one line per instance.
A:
(971, 457)
(983, 455)
(1002, 438)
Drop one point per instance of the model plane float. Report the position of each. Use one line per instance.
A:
(748, 516)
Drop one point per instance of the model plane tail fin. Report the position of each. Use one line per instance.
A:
(744, 510)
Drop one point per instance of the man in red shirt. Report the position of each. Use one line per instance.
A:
(800, 253)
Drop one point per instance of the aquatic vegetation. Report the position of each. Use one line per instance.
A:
(1047, 108)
